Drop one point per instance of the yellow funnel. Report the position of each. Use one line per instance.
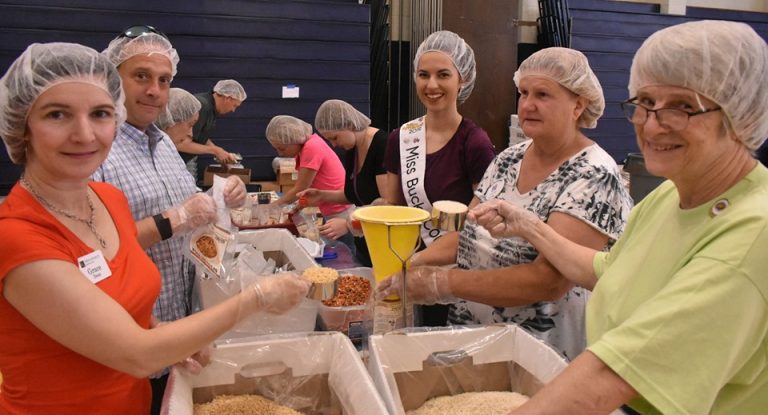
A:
(390, 226)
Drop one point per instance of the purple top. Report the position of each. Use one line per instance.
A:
(450, 171)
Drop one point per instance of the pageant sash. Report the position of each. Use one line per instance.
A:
(413, 162)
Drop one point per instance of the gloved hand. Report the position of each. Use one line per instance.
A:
(503, 219)
(198, 210)
(426, 285)
(275, 294)
(234, 192)
(334, 228)
(195, 363)
(379, 201)
(223, 156)
(311, 196)
(354, 226)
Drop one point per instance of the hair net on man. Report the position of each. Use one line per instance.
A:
(230, 88)
(569, 68)
(40, 67)
(181, 106)
(336, 115)
(284, 129)
(726, 62)
(461, 55)
(122, 48)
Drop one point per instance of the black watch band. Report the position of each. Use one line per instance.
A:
(163, 226)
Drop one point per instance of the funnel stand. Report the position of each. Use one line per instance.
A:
(403, 262)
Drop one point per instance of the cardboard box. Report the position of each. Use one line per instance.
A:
(410, 368)
(282, 247)
(243, 173)
(314, 373)
(269, 186)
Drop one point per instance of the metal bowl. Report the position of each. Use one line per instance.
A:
(323, 291)
(448, 215)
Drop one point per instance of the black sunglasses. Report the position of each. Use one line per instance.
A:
(138, 30)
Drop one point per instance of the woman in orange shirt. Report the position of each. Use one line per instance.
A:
(76, 288)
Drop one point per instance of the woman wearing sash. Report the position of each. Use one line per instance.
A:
(442, 155)
(563, 177)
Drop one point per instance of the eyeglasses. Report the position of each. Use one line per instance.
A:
(138, 30)
(670, 118)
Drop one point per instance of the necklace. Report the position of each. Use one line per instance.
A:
(90, 222)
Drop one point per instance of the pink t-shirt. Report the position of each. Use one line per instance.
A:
(316, 155)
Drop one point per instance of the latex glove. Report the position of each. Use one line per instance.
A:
(234, 192)
(503, 219)
(312, 196)
(334, 228)
(354, 226)
(222, 155)
(198, 210)
(275, 294)
(195, 363)
(426, 285)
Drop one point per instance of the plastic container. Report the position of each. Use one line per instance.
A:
(641, 182)
(356, 322)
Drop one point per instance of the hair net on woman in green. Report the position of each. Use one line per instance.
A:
(726, 62)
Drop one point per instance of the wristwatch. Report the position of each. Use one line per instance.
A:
(163, 226)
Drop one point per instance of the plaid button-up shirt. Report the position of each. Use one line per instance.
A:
(149, 170)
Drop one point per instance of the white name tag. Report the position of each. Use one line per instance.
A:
(94, 266)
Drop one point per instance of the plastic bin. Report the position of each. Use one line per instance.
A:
(640, 181)
(281, 246)
(356, 322)
(314, 373)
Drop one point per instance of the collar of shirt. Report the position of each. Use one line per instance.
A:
(145, 139)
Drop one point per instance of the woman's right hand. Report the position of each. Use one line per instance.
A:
(503, 219)
(276, 294)
(312, 196)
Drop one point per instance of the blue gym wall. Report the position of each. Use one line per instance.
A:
(322, 46)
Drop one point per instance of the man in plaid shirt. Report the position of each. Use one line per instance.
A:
(146, 166)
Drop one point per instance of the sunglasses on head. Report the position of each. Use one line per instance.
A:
(138, 30)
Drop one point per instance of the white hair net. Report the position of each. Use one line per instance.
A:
(569, 68)
(461, 55)
(335, 115)
(40, 67)
(122, 48)
(726, 62)
(230, 88)
(284, 129)
(181, 106)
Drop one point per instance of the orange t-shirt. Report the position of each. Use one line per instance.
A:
(40, 376)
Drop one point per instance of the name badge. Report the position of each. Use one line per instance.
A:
(94, 266)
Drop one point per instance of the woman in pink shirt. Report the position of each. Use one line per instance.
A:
(318, 166)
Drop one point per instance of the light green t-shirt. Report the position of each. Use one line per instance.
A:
(680, 310)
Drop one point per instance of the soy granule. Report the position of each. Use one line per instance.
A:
(472, 403)
(242, 405)
(320, 275)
